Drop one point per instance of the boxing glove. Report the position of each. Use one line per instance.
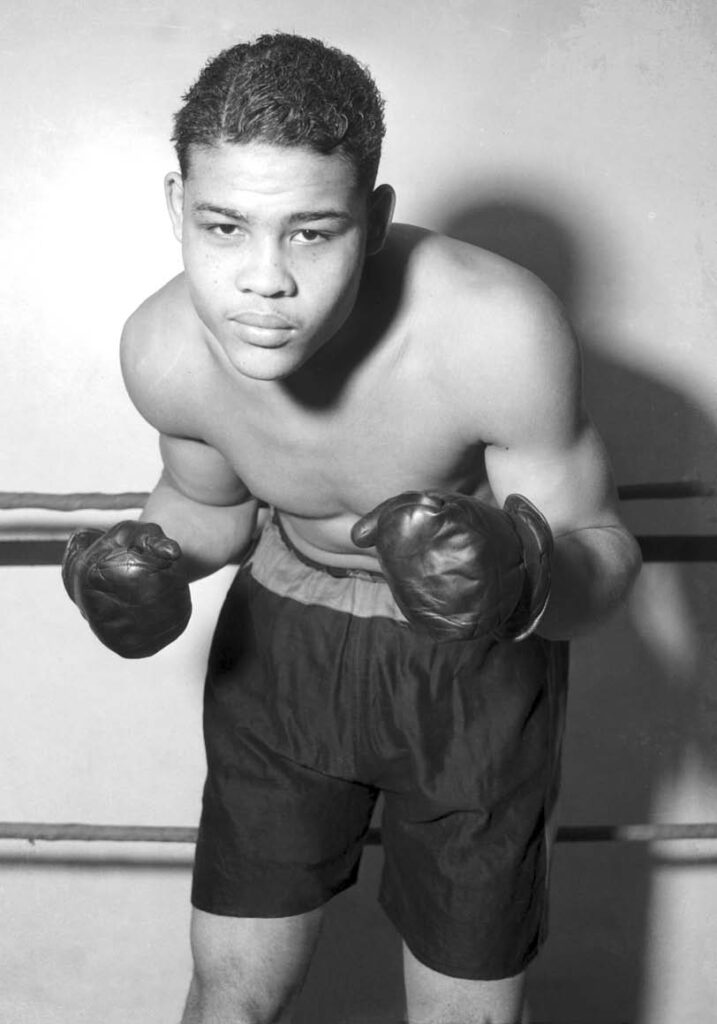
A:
(459, 568)
(129, 585)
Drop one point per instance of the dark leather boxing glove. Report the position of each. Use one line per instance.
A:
(129, 585)
(459, 568)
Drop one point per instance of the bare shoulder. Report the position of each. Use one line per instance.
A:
(162, 356)
(498, 337)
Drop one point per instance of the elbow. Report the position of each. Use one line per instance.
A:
(632, 560)
(594, 574)
(621, 569)
(622, 564)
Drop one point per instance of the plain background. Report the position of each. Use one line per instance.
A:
(574, 137)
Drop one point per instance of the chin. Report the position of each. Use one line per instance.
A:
(267, 364)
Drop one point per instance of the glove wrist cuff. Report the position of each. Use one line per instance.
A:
(537, 541)
(79, 541)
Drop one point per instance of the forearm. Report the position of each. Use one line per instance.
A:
(210, 536)
(592, 572)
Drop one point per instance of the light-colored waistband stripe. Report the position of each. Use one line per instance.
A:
(277, 568)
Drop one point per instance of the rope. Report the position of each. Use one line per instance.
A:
(685, 548)
(136, 499)
(675, 489)
(46, 547)
(72, 502)
(81, 833)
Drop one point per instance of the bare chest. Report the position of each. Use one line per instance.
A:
(322, 463)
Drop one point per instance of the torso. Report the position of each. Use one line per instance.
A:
(393, 424)
(322, 469)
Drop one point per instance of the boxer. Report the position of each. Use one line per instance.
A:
(438, 519)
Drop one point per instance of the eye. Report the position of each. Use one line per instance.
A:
(309, 236)
(224, 230)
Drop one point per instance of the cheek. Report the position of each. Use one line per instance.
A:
(205, 293)
(205, 274)
(336, 282)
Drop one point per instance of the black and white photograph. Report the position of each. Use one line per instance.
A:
(358, 512)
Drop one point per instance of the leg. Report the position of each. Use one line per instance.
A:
(467, 846)
(248, 970)
(434, 998)
(282, 827)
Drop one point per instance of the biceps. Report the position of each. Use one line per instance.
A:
(570, 481)
(200, 472)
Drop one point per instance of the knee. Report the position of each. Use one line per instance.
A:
(221, 996)
(249, 970)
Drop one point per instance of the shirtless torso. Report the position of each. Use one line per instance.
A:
(387, 359)
(415, 410)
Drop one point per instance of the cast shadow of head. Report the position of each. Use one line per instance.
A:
(639, 686)
(636, 714)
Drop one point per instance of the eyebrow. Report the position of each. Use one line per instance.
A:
(300, 216)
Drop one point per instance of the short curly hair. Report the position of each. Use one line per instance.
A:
(287, 90)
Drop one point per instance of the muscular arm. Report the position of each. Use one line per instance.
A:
(199, 500)
(595, 558)
(201, 503)
(547, 449)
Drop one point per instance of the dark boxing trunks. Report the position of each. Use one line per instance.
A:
(318, 698)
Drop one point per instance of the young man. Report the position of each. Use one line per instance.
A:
(437, 516)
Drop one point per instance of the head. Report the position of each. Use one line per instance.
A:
(285, 90)
(278, 145)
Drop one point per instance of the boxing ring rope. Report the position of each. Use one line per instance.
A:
(72, 502)
(40, 546)
(136, 499)
(33, 832)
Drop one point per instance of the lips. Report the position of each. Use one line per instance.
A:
(263, 330)
(269, 321)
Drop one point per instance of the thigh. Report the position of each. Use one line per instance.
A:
(434, 998)
(467, 843)
(282, 828)
(276, 839)
(249, 965)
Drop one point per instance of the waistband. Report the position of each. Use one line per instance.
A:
(337, 571)
(277, 565)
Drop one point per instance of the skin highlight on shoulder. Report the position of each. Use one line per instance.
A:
(490, 337)
(163, 357)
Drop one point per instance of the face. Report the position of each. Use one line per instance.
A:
(273, 241)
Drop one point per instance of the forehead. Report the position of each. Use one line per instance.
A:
(269, 176)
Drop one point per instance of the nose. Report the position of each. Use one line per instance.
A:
(265, 271)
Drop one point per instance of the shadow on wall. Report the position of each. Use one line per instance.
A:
(641, 715)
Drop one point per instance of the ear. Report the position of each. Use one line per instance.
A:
(381, 205)
(174, 194)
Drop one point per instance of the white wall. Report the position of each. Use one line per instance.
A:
(576, 137)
